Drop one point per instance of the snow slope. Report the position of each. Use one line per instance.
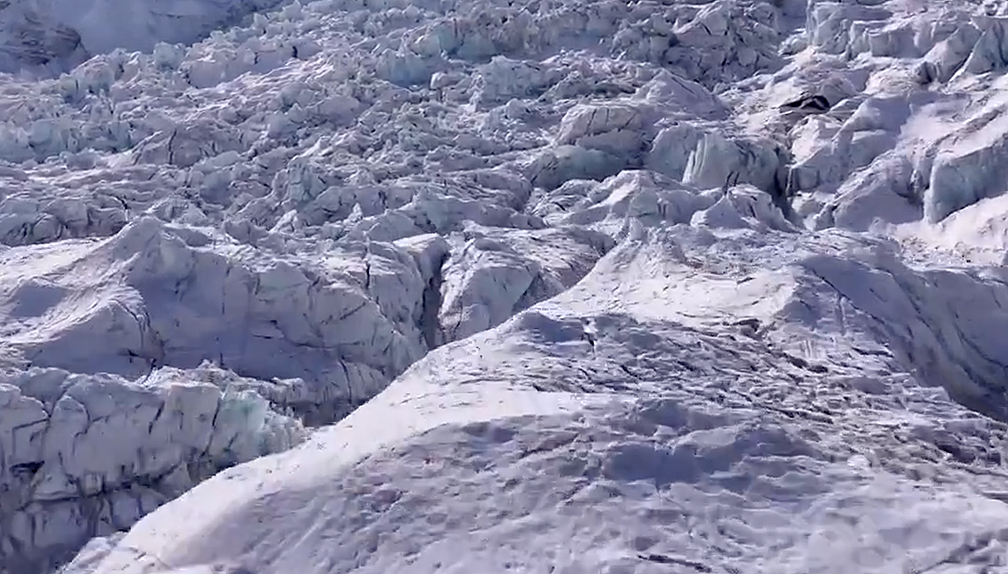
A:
(453, 286)
(609, 431)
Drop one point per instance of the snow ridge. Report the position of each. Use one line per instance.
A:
(452, 286)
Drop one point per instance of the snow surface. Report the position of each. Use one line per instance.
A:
(456, 286)
(56, 35)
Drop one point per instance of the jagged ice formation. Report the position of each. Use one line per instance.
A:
(538, 286)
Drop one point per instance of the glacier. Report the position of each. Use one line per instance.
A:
(542, 286)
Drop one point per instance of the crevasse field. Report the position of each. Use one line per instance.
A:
(488, 287)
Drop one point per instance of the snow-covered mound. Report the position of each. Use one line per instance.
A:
(562, 286)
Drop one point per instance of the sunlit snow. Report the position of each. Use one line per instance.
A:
(544, 286)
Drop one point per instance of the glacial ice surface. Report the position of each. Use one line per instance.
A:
(450, 286)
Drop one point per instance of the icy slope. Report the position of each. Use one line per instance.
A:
(729, 275)
(688, 403)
